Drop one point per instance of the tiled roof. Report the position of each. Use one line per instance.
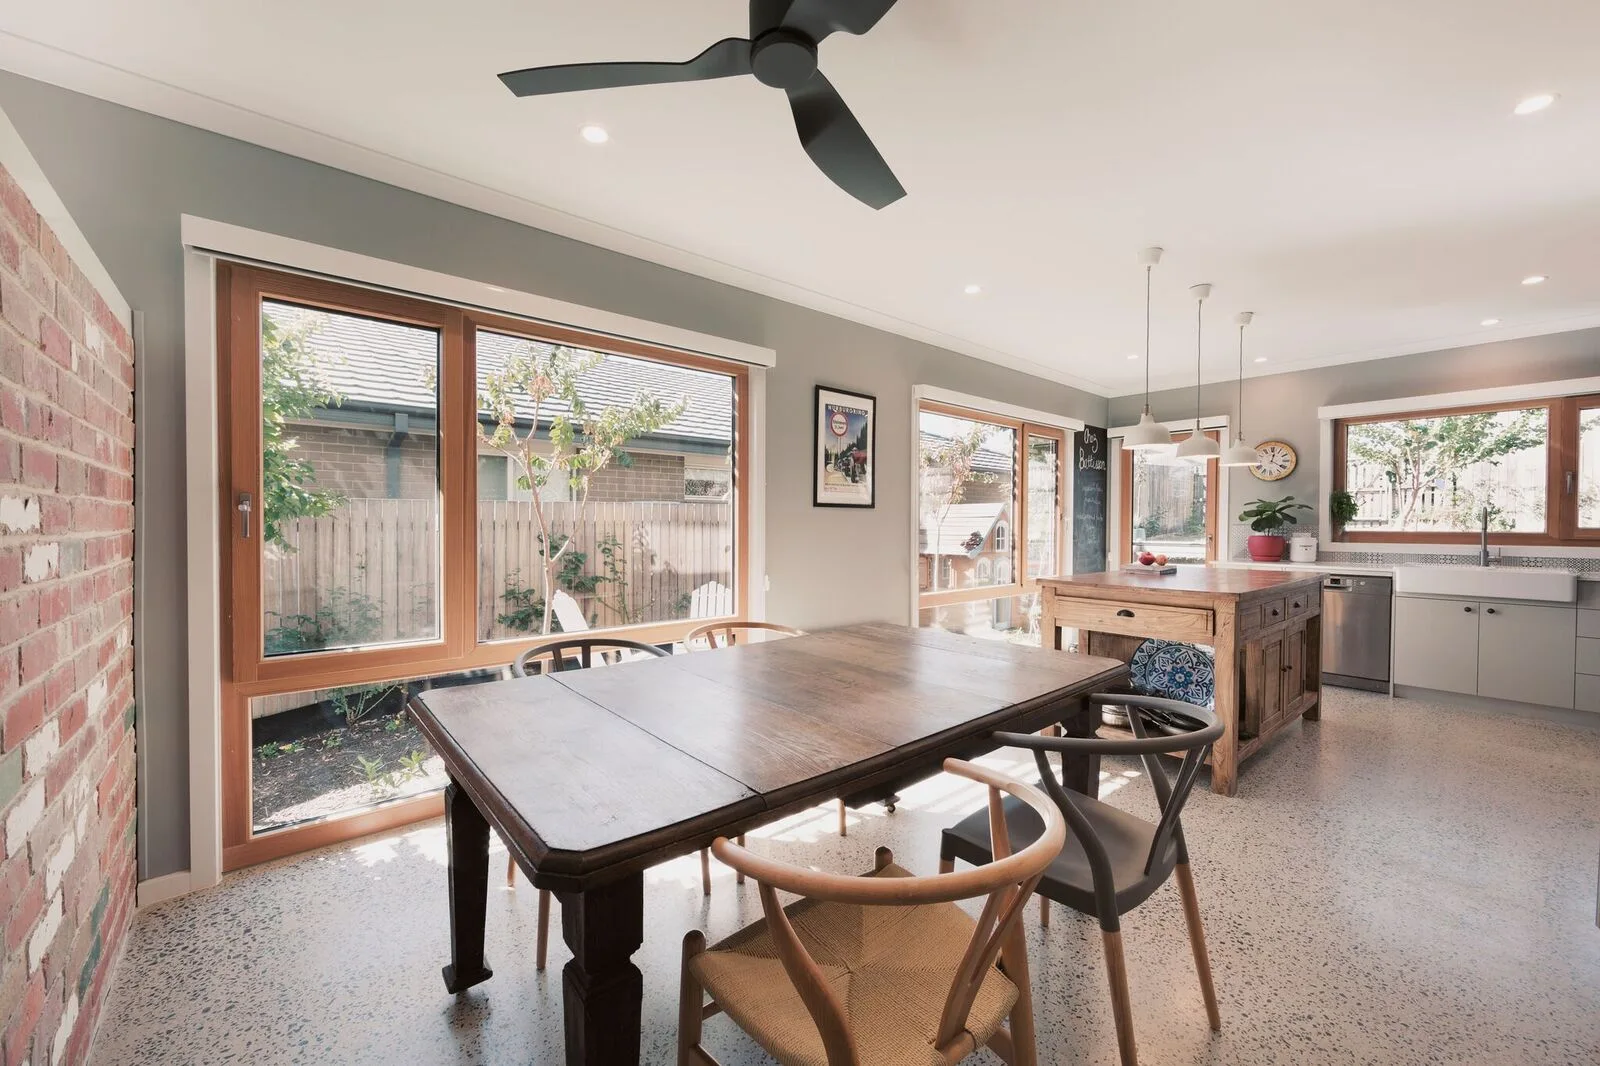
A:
(985, 460)
(963, 528)
(389, 366)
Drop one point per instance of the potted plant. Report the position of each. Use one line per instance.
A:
(1268, 518)
(1342, 509)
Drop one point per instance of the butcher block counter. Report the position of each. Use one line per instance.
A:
(1265, 627)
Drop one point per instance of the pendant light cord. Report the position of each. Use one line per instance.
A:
(1241, 383)
(1199, 312)
(1147, 269)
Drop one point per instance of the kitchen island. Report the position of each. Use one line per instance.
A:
(1265, 627)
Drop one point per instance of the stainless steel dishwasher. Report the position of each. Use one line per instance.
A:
(1356, 630)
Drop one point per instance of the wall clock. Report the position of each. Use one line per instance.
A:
(1277, 460)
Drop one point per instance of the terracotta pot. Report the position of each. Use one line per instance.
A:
(1266, 547)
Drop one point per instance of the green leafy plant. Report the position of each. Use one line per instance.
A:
(1342, 508)
(394, 724)
(1417, 455)
(332, 741)
(342, 618)
(1271, 516)
(370, 769)
(411, 763)
(290, 390)
(566, 442)
(270, 750)
(355, 702)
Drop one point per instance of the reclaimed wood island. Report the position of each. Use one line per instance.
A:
(1265, 627)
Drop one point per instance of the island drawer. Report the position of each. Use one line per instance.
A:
(1263, 614)
(1303, 603)
(1135, 619)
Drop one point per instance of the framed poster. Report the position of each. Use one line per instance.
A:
(846, 457)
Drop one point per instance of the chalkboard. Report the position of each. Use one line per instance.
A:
(1089, 501)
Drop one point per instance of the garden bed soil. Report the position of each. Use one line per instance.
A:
(312, 779)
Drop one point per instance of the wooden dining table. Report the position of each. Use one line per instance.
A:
(592, 776)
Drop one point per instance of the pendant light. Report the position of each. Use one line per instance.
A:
(1197, 445)
(1148, 433)
(1241, 454)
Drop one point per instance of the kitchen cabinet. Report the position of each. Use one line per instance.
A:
(1527, 653)
(1436, 644)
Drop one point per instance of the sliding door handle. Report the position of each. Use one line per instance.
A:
(245, 505)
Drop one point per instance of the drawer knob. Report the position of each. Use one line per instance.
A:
(1467, 609)
(1296, 606)
(1488, 610)
(1274, 612)
(1124, 613)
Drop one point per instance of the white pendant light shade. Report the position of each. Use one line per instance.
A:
(1198, 446)
(1147, 434)
(1241, 454)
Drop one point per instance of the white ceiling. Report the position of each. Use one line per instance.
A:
(1350, 172)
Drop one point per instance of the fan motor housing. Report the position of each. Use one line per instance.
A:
(783, 59)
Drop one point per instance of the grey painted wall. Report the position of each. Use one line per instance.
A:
(127, 176)
(1284, 406)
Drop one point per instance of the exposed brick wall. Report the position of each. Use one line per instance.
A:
(355, 462)
(66, 665)
(650, 476)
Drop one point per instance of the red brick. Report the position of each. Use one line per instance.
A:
(24, 915)
(15, 208)
(10, 249)
(54, 252)
(19, 1028)
(10, 567)
(18, 307)
(38, 467)
(38, 655)
(55, 602)
(35, 275)
(25, 714)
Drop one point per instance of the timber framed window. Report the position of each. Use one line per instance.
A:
(363, 560)
(1427, 476)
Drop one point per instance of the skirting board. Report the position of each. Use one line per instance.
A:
(160, 889)
(1558, 715)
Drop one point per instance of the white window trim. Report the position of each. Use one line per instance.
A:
(204, 242)
(1540, 390)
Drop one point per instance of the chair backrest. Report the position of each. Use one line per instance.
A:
(727, 634)
(579, 653)
(1005, 883)
(568, 612)
(711, 600)
(1160, 727)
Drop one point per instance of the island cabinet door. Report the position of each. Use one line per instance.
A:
(1527, 653)
(1436, 643)
(1263, 708)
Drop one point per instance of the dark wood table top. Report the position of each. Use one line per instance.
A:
(1220, 581)
(594, 773)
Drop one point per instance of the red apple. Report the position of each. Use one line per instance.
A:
(1147, 558)
(1161, 560)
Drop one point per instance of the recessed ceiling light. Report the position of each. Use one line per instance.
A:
(1261, 359)
(1490, 322)
(972, 288)
(1530, 104)
(1536, 279)
(594, 134)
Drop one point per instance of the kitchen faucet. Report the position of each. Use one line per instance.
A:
(1483, 543)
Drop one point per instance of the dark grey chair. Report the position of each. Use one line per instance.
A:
(577, 653)
(1112, 861)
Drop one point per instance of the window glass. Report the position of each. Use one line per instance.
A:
(968, 486)
(1014, 619)
(620, 508)
(1437, 474)
(1588, 486)
(1169, 505)
(350, 480)
(1044, 505)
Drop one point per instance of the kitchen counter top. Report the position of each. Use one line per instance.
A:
(1350, 568)
(1225, 581)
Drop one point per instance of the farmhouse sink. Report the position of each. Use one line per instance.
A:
(1488, 582)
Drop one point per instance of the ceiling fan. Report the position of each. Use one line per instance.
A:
(781, 52)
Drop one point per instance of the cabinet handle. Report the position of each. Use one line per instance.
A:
(1467, 609)
(1296, 606)
(1124, 613)
(1488, 610)
(1274, 612)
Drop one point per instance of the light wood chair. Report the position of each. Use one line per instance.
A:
(726, 635)
(884, 969)
(1113, 861)
(581, 653)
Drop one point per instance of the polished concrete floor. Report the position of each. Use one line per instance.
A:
(1400, 883)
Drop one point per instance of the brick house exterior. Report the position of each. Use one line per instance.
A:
(67, 867)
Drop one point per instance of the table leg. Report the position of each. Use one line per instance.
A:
(1081, 772)
(468, 840)
(1225, 753)
(602, 990)
(1049, 628)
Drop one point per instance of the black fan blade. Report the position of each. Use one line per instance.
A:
(818, 18)
(725, 59)
(839, 146)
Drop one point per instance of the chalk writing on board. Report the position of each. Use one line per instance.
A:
(1089, 501)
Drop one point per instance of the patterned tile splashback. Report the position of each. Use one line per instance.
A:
(1587, 563)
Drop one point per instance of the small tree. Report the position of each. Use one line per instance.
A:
(290, 389)
(1417, 453)
(947, 470)
(577, 441)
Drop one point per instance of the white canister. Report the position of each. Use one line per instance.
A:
(1303, 546)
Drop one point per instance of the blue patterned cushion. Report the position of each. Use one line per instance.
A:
(1175, 671)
